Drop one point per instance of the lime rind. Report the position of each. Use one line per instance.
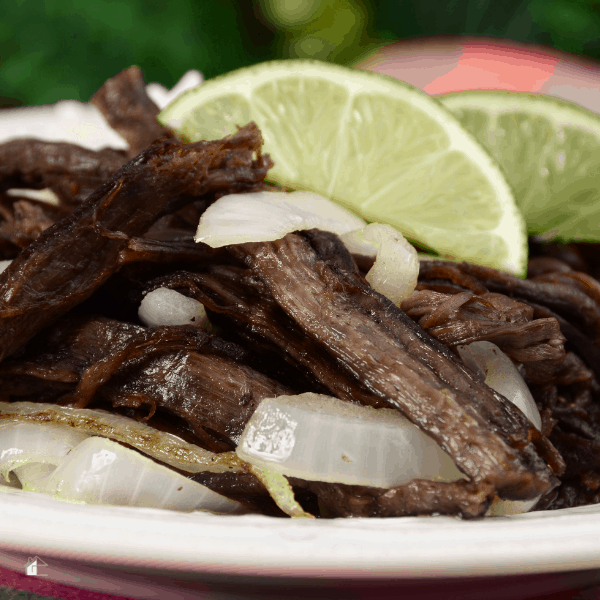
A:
(361, 138)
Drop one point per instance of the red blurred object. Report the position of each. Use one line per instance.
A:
(449, 64)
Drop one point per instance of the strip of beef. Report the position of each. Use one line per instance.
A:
(374, 343)
(262, 326)
(74, 257)
(565, 300)
(70, 171)
(464, 317)
(569, 397)
(182, 371)
(418, 497)
(27, 219)
(126, 106)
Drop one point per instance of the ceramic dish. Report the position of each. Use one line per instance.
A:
(204, 548)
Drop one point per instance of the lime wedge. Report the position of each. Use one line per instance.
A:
(549, 150)
(373, 144)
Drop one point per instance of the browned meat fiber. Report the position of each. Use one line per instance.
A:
(567, 392)
(74, 257)
(129, 111)
(380, 352)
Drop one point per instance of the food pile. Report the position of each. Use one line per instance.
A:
(294, 316)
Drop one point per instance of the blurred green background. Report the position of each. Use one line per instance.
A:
(66, 48)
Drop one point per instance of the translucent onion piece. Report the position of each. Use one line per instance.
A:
(22, 443)
(166, 447)
(281, 491)
(161, 96)
(168, 307)
(501, 375)
(396, 267)
(505, 508)
(321, 438)
(34, 476)
(100, 471)
(4, 264)
(268, 216)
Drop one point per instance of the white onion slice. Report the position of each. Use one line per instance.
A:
(4, 264)
(321, 438)
(44, 195)
(268, 216)
(100, 471)
(396, 267)
(23, 443)
(165, 447)
(161, 96)
(168, 307)
(502, 375)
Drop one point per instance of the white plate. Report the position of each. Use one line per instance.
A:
(199, 546)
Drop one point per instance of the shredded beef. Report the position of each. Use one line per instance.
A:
(378, 351)
(123, 101)
(301, 314)
(70, 171)
(182, 371)
(568, 395)
(464, 317)
(71, 259)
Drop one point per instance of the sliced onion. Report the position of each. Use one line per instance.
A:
(44, 195)
(23, 443)
(281, 491)
(321, 438)
(168, 307)
(396, 267)
(268, 216)
(4, 264)
(100, 471)
(161, 96)
(502, 375)
(165, 447)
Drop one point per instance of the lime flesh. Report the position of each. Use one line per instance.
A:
(373, 144)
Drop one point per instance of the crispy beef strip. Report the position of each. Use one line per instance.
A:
(29, 219)
(399, 364)
(22, 220)
(128, 109)
(70, 171)
(71, 259)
